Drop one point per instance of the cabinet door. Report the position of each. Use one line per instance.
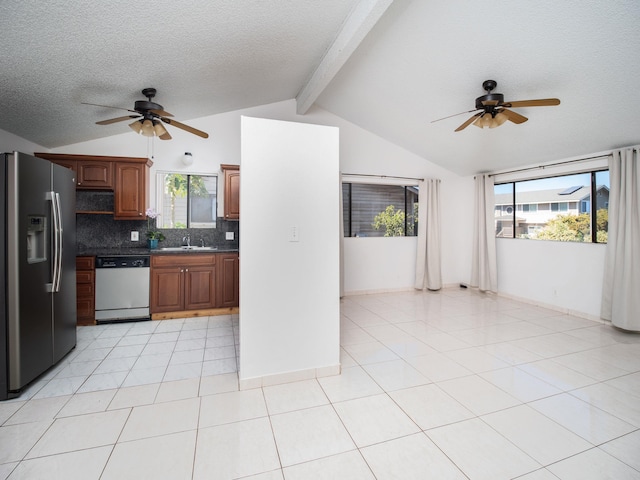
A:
(85, 303)
(232, 193)
(167, 290)
(85, 290)
(200, 287)
(95, 175)
(228, 280)
(130, 191)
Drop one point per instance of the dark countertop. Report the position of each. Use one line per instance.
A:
(110, 252)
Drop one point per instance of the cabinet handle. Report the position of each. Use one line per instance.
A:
(139, 214)
(181, 270)
(186, 269)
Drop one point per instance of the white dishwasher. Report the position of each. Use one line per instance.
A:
(122, 288)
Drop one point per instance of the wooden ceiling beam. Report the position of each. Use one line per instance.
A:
(361, 20)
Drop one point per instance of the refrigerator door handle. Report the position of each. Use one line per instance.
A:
(51, 287)
(60, 245)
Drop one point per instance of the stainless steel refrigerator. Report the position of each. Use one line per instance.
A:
(37, 265)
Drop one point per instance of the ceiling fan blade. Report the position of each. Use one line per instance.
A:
(115, 120)
(184, 127)
(108, 106)
(161, 113)
(454, 115)
(513, 116)
(543, 102)
(468, 122)
(165, 136)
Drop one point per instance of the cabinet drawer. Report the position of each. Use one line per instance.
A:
(185, 259)
(84, 291)
(85, 263)
(84, 277)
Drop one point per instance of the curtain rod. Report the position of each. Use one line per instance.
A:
(604, 155)
(380, 176)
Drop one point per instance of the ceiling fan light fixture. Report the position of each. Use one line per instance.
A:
(159, 128)
(147, 128)
(136, 126)
(500, 118)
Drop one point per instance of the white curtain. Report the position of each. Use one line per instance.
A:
(484, 270)
(621, 286)
(428, 273)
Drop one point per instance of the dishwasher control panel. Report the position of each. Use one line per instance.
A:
(132, 261)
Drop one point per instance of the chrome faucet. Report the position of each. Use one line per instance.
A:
(202, 242)
(187, 239)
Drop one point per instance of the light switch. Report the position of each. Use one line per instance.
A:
(294, 234)
(134, 236)
(229, 236)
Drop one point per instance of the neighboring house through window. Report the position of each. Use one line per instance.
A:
(554, 208)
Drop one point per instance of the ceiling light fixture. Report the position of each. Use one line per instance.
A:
(147, 128)
(490, 120)
(159, 128)
(136, 126)
(187, 158)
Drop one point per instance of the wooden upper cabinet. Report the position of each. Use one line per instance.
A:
(94, 175)
(127, 177)
(130, 190)
(231, 191)
(90, 175)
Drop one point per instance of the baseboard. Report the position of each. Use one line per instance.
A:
(288, 377)
(555, 308)
(353, 293)
(210, 312)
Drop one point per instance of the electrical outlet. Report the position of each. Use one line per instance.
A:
(134, 236)
(229, 236)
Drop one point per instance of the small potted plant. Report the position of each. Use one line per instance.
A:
(154, 236)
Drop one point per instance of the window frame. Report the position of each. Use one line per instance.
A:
(592, 206)
(160, 185)
(349, 214)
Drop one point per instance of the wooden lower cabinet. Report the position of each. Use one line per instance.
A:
(167, 289)
(183, 282)
(228, 280)
(85, 290)
(193, 282)
(200, 287)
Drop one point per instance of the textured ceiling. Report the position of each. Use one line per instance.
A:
(203, 57)
(425, 59)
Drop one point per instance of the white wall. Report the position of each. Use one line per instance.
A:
(564, 275)
(372, 262)
(360, 152)
(10, 142)
(289, 290)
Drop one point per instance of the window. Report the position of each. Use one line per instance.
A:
(563, 207)
(186, 201)
(379, 210)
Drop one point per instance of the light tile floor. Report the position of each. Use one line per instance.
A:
(448, 385)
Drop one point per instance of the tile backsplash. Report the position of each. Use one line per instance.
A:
(102, 231)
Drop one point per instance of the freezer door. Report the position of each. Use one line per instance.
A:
(28, 269)
(64, 297)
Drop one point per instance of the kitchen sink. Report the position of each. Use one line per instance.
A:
(188, 249)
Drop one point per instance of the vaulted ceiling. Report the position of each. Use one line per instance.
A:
(388, 66)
